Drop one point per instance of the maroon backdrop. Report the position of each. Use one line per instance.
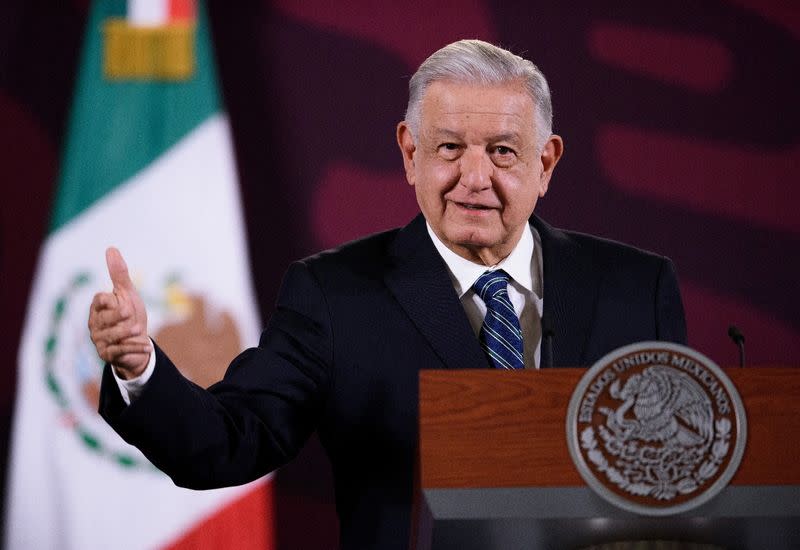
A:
(681, 130)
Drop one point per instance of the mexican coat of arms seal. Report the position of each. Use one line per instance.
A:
(656, 428)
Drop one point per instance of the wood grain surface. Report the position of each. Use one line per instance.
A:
(484, 428)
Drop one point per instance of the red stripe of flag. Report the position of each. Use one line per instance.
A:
(181, 10)
(244, 524)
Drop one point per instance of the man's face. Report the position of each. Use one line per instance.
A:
(476, 167)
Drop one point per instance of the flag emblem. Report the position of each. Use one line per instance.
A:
(200, 337)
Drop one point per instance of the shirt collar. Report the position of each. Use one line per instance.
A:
(464, 273)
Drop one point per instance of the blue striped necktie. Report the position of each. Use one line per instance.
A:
(500, 336)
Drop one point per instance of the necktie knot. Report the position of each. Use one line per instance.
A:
(500, 336)
(490, 284)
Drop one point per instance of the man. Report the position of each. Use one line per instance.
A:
(353, 326)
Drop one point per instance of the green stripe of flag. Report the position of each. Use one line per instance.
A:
(118, 128)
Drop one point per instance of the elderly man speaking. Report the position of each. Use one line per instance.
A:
(466, 284)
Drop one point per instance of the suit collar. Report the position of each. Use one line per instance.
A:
(419, 280)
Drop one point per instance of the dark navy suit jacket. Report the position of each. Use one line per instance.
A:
(341, 354)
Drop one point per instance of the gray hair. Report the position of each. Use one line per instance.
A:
(478, 62)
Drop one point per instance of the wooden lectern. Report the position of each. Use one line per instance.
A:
(494, 470)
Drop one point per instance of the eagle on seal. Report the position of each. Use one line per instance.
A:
(661, 404)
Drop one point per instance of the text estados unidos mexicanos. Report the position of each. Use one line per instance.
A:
(652, 358)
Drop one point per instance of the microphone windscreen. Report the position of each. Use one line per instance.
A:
(735, 334)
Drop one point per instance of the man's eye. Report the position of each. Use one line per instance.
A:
(503, 156)
(449, 150)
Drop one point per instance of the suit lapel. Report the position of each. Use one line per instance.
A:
(419, 280)
(570, 293)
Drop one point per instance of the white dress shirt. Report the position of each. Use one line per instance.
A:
(524, 266)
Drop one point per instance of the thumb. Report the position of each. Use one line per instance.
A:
(118, 270)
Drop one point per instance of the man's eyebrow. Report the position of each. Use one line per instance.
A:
(508, 136)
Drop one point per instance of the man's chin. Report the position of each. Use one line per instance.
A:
(484, 245)
(471, 240)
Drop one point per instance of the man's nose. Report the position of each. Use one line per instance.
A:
(476, 170)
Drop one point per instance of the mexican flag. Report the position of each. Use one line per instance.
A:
(148, 168)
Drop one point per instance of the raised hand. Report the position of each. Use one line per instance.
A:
(118, 322)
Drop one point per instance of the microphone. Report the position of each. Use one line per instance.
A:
(547, 343)
(738, 339)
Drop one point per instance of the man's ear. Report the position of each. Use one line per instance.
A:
(551, 153)
(407, 147)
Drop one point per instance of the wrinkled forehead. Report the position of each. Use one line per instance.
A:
(457, 107)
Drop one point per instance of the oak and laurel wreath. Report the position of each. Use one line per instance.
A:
(708, 469)
(87, 437)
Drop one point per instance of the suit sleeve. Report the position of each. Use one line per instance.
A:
(254, 420)
(670, 318)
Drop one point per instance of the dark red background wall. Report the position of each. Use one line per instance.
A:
(680, 121)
